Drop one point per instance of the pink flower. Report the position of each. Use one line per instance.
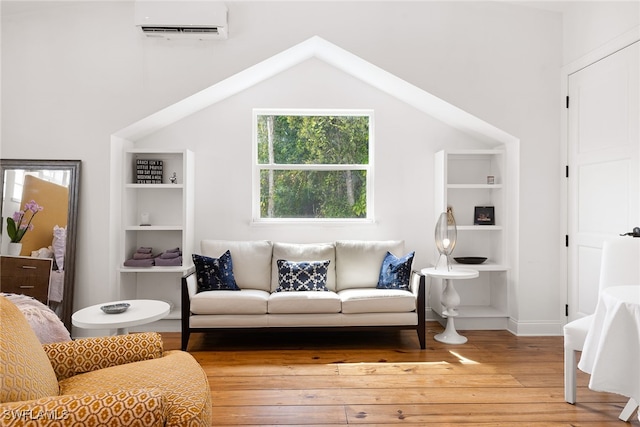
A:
(32, 206)
(17, 225)
(17, 216)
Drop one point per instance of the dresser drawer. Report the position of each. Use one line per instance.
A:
(24, 275)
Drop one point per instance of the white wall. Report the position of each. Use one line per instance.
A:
(73, 73)
(590, 25)
(221, 138)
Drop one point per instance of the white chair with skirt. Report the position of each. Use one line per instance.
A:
(619, 267)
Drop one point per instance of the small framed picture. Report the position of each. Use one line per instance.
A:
(484, 215)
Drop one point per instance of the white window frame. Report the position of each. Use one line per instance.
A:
(369, 168)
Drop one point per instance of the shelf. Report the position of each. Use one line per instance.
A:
(462, 183)
(173, 315)
(487, 266)
(154, 228)
(177, 269)
(475, 186)
(479, 311)
(474, 153)
(155, 186)
(170, 207)
(156, 151)
(473, 311)
(479, 227)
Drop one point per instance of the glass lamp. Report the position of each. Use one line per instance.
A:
(446, 235)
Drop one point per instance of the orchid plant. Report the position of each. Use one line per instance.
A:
(19, 224)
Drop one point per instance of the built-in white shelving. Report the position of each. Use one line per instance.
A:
(170, 209)
(462, 182)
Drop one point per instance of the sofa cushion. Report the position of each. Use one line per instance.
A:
(395, 272)
(302, 276)
(304, 302)
(305, 252)
(245, 301)
(186, 392)
(214, 274)
(251, 261)
(376, 301)
(358, 262)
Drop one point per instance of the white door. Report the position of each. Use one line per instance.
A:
(603, 184)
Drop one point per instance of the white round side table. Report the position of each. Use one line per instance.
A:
(140, 312)
(450, 300)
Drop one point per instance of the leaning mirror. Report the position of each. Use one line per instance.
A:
(39, 221)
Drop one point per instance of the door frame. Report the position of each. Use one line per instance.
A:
(615, 45)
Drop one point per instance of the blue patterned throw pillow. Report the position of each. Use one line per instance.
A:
(302, 276)
(395, 272)
(215, 274)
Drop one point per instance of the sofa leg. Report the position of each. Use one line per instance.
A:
(185, 339)
(422, 338)
(422, 313)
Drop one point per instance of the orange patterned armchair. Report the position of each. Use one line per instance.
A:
(126, 380)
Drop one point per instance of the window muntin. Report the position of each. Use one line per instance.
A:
(313, 165)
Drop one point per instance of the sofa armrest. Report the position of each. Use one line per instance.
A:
(69, 358)
(144, 407)
(418, 286)
(190, 284)
(414, 282)
(189, 289)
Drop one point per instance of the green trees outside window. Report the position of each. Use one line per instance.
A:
(313, 166)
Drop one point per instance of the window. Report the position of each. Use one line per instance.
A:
(313, 165)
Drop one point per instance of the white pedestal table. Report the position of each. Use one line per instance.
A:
(450, 299)
(140, 312)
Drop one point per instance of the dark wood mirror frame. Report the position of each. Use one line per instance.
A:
(73, 167)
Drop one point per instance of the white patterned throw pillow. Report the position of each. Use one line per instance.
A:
(302, 276)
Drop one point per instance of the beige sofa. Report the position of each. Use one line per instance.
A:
(351, 300)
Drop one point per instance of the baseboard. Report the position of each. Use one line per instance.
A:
(536, 328)
(472, 323)
(530, 328)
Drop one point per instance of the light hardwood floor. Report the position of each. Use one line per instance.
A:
(375, 379)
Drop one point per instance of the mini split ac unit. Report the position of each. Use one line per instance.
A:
(204, 20)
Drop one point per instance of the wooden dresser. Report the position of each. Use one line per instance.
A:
(25, 275)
